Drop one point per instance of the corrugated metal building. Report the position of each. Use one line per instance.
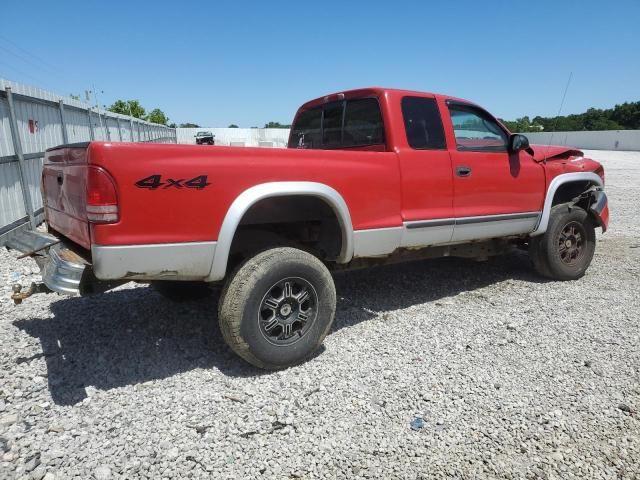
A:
(33, 120)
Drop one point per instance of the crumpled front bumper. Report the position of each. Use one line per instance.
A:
(600, 209)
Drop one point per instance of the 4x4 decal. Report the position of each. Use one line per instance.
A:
(154, 182)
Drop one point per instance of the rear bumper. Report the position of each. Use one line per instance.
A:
(68, 270)
(62, 270)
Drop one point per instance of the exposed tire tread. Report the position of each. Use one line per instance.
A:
(540, 265)
(542, 249)
(238, 288)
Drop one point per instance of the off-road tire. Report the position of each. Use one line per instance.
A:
(242, 300)
(549, 251)
(182, 291)
(539, 263)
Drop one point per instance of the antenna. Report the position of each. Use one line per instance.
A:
(555, 124)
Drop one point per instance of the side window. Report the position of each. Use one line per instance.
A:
(422, 123)
(307, 133)
(475, 130)
(363, 123)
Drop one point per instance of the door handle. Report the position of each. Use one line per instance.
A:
(463, 171)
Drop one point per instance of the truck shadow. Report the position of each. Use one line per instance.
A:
(371, 292)
(133, 335)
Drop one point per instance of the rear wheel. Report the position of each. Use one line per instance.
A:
(276, 309)
(566, 249)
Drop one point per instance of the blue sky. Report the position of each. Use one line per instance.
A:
(216, 63)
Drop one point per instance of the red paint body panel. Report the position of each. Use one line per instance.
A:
(368, 181)
(427, 184)
(382, 185)
(499, 182)
(64, 181)
(565, 160)
(551, 152)
(426, 175)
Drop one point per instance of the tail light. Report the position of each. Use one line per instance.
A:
(102, 196)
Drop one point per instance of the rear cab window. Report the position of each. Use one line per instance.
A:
(307, 131)
(350, 123)
(332, 125)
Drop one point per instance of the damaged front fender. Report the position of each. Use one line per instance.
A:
(595, 202)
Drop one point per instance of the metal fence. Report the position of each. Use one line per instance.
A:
(33, 120)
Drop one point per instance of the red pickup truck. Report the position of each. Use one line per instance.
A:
(370, 176)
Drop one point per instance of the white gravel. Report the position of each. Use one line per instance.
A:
(514, 377)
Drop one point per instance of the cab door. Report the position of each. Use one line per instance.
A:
(496, 193)
(427, 182)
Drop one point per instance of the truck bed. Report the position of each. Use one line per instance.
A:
(158, 204)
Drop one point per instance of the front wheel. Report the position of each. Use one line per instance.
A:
(566, 249)
(276, 309)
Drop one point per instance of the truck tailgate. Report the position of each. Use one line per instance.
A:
(64, 182)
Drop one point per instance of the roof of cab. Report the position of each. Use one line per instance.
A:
(376, 91)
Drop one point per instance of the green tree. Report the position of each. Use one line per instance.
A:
(524, 124)
(627, 115)
(233, 125)
(189, 125)
(157, 116)
(128, 107)
(620, 117)
(276, 125)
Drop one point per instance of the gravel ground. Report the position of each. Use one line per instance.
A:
(512, 376)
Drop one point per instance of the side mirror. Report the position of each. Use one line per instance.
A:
(518, 142)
